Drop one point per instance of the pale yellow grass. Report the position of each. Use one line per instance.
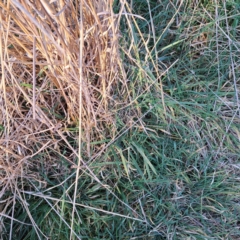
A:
(60, 70)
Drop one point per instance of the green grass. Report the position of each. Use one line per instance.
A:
(173, 170)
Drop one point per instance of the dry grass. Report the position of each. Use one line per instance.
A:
(56, 74)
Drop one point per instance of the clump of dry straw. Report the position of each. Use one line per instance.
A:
(60, 70)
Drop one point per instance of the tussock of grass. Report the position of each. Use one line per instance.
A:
(119, 120)
(41, 81)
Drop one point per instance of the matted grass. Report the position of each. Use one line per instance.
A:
(119, 120)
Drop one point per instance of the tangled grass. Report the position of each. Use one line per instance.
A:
(119, 120)
(59, 72)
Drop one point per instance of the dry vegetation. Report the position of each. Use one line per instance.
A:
(59, 71)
